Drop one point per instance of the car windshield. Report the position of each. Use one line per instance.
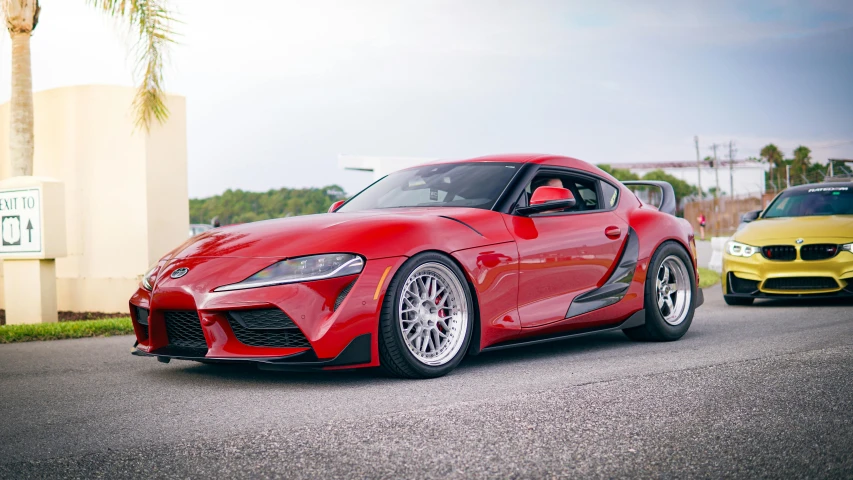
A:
(829, 200)
(475, 185)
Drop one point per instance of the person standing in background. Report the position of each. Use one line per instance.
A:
(701, 220)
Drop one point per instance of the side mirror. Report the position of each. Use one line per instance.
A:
(336, 205)
(548, 198)
(750, 216)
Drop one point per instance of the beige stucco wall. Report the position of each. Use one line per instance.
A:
(126, 191)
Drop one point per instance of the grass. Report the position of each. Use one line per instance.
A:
(707, 277)
(55, 331)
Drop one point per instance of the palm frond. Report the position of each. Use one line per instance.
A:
(152, 20)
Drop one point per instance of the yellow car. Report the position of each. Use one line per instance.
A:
(801, 245)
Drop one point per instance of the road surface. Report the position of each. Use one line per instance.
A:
(749, 392)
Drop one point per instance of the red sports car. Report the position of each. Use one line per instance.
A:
(424, 266)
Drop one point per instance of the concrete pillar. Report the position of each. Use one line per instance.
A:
(31, 290)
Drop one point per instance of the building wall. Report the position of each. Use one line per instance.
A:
(126, 191)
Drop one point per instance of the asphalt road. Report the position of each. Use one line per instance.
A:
(749, 392)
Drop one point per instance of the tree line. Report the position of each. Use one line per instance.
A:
(239, 206)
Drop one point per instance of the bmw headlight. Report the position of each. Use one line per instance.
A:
(738, 249)
(301, 269)
(848, 247)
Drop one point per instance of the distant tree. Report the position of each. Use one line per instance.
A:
(682, 188)
(238, 206)
(802, 160)
(773, 157)
(621, 174)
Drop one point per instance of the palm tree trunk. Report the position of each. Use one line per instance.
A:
(21, 107)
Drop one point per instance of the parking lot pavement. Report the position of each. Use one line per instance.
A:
(762, 391)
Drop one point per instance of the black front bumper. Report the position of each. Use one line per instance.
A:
(356, 353)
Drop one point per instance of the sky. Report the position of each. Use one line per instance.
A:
(277, 89)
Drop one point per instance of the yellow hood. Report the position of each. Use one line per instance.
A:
(828, 228)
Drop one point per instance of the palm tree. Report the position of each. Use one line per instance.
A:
(802, 159)
(773, 156)
(149, 18)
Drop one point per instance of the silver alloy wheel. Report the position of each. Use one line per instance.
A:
(673, 289)
(433, 314)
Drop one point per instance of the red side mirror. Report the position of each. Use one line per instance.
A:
(336, 205)
(549, 194)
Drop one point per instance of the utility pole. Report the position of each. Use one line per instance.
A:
(732, 151)
(698, 167)
(717, 209)
(787, 176)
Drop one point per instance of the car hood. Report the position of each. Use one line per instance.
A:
(371, 233)
(829, 228)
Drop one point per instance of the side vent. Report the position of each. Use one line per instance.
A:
(343, 295)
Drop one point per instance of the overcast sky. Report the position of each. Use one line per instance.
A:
(276, 89)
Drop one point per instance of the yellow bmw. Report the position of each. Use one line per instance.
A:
(801, 245)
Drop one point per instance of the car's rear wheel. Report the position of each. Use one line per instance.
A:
(427, 318)
(738, 301)
(670, 296)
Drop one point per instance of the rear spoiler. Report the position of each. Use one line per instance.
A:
(667, 194)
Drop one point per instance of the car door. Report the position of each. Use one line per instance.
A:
(563, 254)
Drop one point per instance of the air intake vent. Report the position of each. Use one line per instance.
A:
(142, 320)
(266, 328)
(265, 319)
(343, 295)
(741, 285)
(819, 251)
(779, 252)
(800, 283)
(184, 329)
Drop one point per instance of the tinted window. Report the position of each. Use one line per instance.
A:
(610, 195)
(475, 185)
(828, 200)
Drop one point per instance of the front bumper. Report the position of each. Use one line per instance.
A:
(356, 353)
(334, 321)
(758, 277)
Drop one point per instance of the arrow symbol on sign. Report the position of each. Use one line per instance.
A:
(30, 229)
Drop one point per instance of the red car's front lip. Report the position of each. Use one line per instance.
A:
(310, 305)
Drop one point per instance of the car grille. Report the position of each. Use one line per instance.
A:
(266, 328)
(184, 329)
(269, 318)
(741, 285)
(800, 283)
(343, 295)
(819, 251)
(779, 252)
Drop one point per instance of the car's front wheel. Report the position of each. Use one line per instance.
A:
(427, 318)
(670, 296)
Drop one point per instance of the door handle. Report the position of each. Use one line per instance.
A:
(613, 232)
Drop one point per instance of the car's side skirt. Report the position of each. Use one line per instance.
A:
(635, 320)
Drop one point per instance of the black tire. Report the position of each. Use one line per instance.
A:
(656, 329)
(394, 356)
(738, 301)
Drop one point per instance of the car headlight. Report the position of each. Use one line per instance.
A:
(301, 269)
(150, 277)
(848, 247)
(738, 249)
